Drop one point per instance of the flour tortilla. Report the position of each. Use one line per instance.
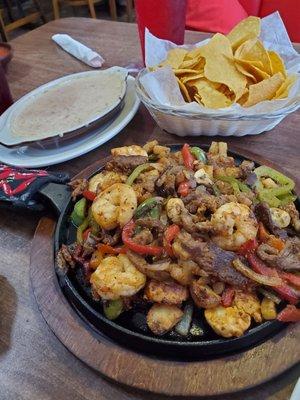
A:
(69, 105)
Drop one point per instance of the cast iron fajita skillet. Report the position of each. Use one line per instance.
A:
(130, 329)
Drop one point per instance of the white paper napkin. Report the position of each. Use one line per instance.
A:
(79, 50)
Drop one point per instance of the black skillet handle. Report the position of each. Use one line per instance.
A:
(56, 195)
(28, 189)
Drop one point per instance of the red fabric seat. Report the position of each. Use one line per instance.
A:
(252, 7)
(222, 15)
(214, 15)
(290, 13)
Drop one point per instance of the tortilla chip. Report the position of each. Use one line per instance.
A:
(209, 95)
(184, 91)
(253, 50)
(284, 89)
(244, 71)
(264, 90)
(249, 28)
(242, 100)
(191, 77)
(190, 63)
(219, 64)
(175, 58)
(185, 71)
(192, 54)
(198, 99)
(258, 74)
(277, 64)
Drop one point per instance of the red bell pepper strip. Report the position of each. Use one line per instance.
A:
(183, 188)
(169, 235)
(227, 297)
(289, 314)
(249, 246)
(89, 195)
(259, 266)
(107, 249)
(271, 240)
(263, 234)
(291, 278)
(127, 234)
(285, 291)
(188, 159)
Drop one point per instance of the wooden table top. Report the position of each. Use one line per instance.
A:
(33, 363)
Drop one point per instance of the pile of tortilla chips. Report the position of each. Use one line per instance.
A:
(230, 69)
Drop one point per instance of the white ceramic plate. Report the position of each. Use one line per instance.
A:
(35, 156)
(9, 139)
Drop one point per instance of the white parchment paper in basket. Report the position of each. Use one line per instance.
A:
(162, 87)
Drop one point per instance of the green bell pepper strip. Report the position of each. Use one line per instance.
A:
(274, 196)
(95, 227)
(287, 198)
(148, 206)
(135, 173)
(237, 186)
(199, 154)
(113, 308)
(81, 229)
(78, 213)
(152, 157)
(216, 190)
(154, 212)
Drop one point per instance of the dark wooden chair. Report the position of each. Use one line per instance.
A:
(17, 16)
(90, 3)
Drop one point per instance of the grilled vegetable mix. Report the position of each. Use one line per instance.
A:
(187, 230)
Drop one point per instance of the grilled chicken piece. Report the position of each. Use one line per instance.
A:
(203, 295)
(165, 292)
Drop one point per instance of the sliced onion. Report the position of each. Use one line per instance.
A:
(254, 276)
(162, 266)
(270, 295)
(184, 324)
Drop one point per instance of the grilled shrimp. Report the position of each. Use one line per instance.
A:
(114, 206)
(236, 224)
(117, 277)
(249, 303)
(227, 321)
(133, 150)
(105, 179)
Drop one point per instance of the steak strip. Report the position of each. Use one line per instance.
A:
(212, 259)
(125, 164)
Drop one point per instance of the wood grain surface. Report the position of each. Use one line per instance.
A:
(34, 365)
(211, 377)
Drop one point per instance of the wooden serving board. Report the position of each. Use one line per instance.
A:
(197, 378)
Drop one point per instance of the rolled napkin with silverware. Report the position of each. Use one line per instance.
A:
(79, 50)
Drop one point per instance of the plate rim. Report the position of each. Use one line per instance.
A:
(17, 105)
(114, 127)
